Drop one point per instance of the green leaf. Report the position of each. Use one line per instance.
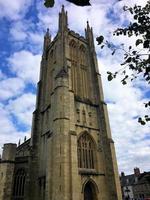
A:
(146, 44)
(110, 77)
(113, 52)
(109, 73)
(100, 39)
(138, 41)
(49, 3)
(147, 119)
(135, 17)
(131, 10)
(124, 82)
(80, 2)
(141, 121)
(129, 60)
(134, 52)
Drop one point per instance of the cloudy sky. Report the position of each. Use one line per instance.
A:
(23, 24)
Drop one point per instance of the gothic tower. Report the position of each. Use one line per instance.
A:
(72, 151)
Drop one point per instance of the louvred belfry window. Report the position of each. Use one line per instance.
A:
(86, 152)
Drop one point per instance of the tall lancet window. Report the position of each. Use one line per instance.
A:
(86, 152)
(73, 57)
(83, 67)
(19, 185)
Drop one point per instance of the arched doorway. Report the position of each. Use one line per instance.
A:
(89, 191)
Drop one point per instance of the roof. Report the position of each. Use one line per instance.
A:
(127, 180)
(135, 180)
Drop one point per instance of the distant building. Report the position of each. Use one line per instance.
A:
(141, 189)
(135, 186)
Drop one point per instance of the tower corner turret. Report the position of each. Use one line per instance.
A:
(89, 35)
(7, 165)
(63, 20)
(47, 40)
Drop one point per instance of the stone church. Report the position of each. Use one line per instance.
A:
(71, 154)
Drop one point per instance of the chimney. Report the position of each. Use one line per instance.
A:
(136, 171)
(122, 174)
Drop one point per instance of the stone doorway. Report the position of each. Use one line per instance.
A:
(89, 191)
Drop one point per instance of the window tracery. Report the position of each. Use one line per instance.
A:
(86, 152)
(19, 184)
(82, 50)
(79, 74)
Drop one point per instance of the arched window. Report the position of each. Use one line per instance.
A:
(82, 55)
(73, 50)
(86, 152)
(73, 57)
(83, 71)
(19, 185)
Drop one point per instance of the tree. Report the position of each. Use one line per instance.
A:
(50, 3)
(137, 58)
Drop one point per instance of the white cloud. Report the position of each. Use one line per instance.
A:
(11, 87)
(9, 132)
(25, 65)
(125, 104)
(22, 108)
(36, 38)
(26, 31)
(18, 30)
(15, 9)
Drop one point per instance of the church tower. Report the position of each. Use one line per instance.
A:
(72, 151)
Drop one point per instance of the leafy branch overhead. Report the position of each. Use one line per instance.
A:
(136, 57)
(50, 3)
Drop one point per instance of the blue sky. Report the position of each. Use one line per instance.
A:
(23, 24)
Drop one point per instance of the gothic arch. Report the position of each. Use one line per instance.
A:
(91, 181)
(82, 48)
(73, 43)
(86, 132)
(90, 190)
(86, 151)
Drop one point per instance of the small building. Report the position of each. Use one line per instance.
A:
(135, 186)
(141, 188)
(127, 186)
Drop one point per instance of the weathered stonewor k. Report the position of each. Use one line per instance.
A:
(71, 154)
